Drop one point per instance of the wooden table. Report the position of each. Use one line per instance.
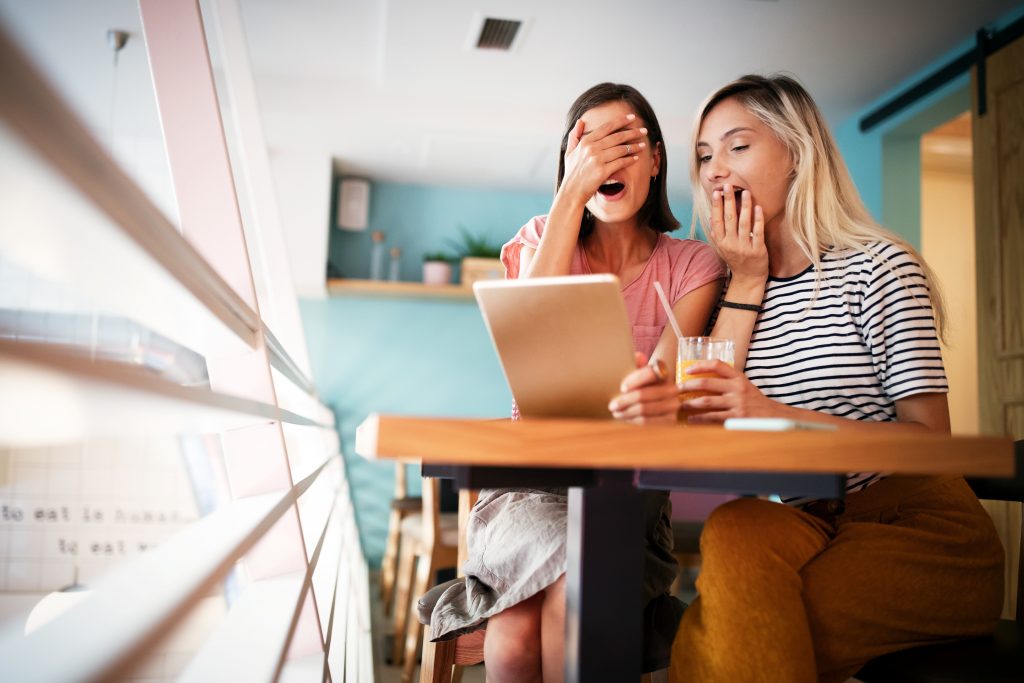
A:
(606, 463)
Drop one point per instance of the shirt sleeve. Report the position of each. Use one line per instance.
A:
(898, 325)
(696, 265)
(528, 236)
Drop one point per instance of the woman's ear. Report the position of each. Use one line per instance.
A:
(656, 160)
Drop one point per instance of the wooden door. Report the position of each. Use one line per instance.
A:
(999, 240)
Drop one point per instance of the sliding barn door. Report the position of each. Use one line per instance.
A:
(999, 235)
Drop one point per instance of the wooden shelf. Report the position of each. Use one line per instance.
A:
(415, 290)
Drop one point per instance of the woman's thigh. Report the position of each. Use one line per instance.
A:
(926, 569)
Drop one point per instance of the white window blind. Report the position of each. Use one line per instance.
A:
(164, 457)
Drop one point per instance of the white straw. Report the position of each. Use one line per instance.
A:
(668, 308)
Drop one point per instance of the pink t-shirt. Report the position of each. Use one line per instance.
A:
(681, 266)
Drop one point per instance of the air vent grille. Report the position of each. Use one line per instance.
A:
(498, 34)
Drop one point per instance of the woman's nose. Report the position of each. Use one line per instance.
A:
(715, 170)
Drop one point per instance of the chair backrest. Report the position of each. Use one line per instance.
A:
(1007, 489)
(431, 493)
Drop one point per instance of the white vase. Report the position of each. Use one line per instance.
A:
(437, 273)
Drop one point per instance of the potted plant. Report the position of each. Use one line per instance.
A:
(437, 268)
(479, 258)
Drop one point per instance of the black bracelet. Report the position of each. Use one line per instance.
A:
(745, 307)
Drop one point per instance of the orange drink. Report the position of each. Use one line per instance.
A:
(693, 350)
(681, 377)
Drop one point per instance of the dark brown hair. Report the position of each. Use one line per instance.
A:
(655, 213)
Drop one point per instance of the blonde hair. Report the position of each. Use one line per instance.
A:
(823, 208)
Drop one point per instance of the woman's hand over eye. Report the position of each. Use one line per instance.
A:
(594, 157)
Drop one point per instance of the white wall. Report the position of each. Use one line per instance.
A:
(303, 181)
(947, 241)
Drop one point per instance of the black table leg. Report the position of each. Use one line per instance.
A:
(603, 620)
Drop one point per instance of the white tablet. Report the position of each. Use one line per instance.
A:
(565, 343)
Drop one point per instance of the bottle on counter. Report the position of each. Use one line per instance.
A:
(396, 255)
(377, 256)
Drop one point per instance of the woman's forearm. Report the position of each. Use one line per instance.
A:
(738, 324)
(561, 232)
(848, 424)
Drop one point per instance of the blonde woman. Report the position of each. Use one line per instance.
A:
(835, 321)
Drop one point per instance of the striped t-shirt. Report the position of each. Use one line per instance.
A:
(866, 340)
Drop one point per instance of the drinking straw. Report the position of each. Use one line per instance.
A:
(668, 308)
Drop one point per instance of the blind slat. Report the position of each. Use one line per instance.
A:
(79, 397)
(32, 108)
(144, 599)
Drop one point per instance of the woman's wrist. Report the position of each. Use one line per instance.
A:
(746, 290)
(571, 197)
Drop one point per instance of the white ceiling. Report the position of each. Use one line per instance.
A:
(390, 91)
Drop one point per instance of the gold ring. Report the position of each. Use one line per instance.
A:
(628, 148)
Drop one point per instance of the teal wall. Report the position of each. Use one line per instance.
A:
(414, 357)
(419, 219)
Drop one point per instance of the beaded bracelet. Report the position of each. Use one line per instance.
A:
(745, 307)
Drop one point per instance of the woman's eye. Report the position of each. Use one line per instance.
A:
(704, 158)
(740, 148)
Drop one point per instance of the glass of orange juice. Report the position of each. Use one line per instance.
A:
(694, 349)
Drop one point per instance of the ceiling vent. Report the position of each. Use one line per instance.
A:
(497, 34)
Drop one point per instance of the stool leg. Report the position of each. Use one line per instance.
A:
(413, 632)
(438, 660)
(389, 564)
(403, 585)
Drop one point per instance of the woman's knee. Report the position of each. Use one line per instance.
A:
(513, 643)
(738, 521)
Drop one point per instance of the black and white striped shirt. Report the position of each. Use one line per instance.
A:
(866, 340)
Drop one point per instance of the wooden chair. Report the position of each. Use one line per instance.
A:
(430, 542)
(443, 662)
(997, 658)
(402, 505)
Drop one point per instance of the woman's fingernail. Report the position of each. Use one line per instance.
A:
(642, 145)
(643, 131)
(630, 117)
(716, 195)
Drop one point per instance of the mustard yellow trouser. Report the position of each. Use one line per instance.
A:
(789, 596)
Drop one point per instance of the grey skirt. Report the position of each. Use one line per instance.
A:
(516, 542)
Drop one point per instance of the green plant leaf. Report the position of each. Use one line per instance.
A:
(473, 245)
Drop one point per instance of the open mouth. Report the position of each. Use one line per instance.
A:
(611, 188)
